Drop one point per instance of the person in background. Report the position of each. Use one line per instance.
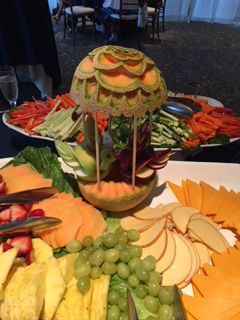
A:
(27, 42)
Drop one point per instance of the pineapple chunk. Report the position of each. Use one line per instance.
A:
(54, 289)
(42, 252)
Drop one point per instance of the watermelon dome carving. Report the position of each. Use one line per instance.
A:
(118, 81)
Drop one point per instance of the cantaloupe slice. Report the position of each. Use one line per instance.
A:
(150, 235)
(181, 265)
(121, 197)
(168, 255)
(23, 177)
(157, 248)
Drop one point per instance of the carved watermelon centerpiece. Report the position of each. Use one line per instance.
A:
(118, 81)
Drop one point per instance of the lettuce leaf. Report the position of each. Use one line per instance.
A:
(46, 162)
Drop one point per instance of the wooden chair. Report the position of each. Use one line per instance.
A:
(126, 19)
(156, 11)
(72, 15)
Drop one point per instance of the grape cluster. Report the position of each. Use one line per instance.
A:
(114, 253)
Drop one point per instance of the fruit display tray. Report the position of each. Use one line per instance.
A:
(216, 174)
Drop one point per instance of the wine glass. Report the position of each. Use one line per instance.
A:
(8, 84)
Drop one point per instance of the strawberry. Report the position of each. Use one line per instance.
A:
(29, 257)
(35, 213)
(2, 187)
(6, 246)
(5, 215)
(23, 243)
(27, 206)
(18, 212)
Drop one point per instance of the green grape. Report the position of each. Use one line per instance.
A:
(90, 249)
(125, 255)
(149, 263)
(155, 276)
(109, 240)
(165, 312)
(109, 268)
(96, 272)
(83, 284)
(142, 274)
(151, 318)
(82, 270)
(122, 302)
(97, 242)
(113, 297)
(113, 313)
(82, 257)
(134, 264)
(153, 288)
(133, 235)
(97, 258)
(74, 246)
(133, 280)
(111, 255)
(119, 231)
(122, 238)
(120, 246)
(123, 270)
(136, 251)
(166, 295)
(124, 316)
(152, 304)
(141, 291)
(87, 241)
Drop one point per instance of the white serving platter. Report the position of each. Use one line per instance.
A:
(216, 174)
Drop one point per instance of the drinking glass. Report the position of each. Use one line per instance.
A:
(8, 84)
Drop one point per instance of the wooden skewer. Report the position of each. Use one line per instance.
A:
(150, 126)
(97, 149)
(134, 150)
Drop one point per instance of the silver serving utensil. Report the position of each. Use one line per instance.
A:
(177, 305)
(28, 196)
(29, 224)
(132, 312)
(194, 106)
(178, 109)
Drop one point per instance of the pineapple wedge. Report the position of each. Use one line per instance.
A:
(42, 252)
(98, 308)
(54, 289)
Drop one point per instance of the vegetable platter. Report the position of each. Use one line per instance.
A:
(212, 126)
(61, 298)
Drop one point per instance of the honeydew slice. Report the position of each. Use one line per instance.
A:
(169, 254)
(208, 234)
(181, 216)
(205, 218)
(202, 252)
(151, 234)
(181, 265)
(129, 223)
(156, 249)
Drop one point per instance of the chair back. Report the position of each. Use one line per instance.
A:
(129, 8)
(157, 4)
